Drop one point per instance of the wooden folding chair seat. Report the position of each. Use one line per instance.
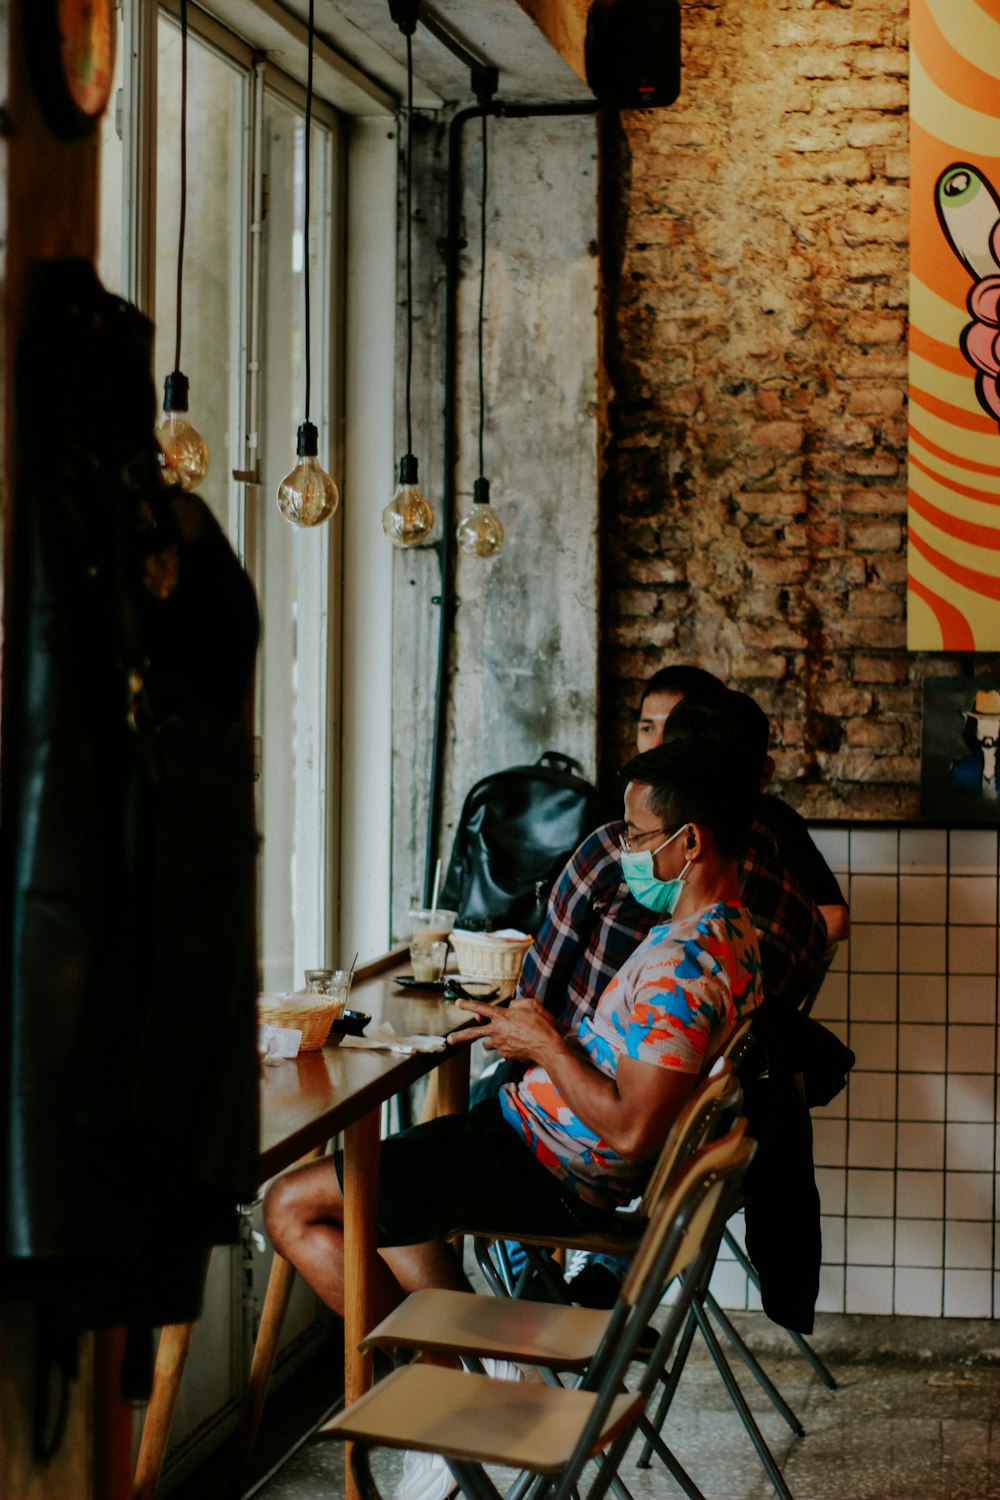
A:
(547, 1431)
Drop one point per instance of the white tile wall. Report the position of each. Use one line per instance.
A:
(908, 1157)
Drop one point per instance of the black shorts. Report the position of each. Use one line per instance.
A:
(470, 1171)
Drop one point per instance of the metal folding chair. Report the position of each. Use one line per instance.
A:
(550, 1433)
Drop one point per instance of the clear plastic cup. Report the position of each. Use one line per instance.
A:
(428, 960)
(340, 986)
(431, 926)
(318, 981)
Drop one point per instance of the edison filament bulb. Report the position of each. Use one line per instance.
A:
(307, 496)
(183, 451)
(408, 519)
(480, 533)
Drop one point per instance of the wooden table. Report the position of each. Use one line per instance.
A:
(303, 1104)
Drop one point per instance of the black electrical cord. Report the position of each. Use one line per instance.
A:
(482, 291)
(409, 235)
(183, 203)
(307, 203)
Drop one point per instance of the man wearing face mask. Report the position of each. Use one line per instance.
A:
(595, 920)
(577, 1135)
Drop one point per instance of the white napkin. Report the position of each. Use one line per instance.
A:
(277, 1043)
(385, 1038)
(506, 934)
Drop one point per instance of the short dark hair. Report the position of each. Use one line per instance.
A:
(688, 682)
(732, 719)
(698, 781)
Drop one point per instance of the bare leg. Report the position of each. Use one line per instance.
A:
(434, 1263)
(304, 1215)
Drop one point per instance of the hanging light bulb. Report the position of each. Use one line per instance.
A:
(183, 451)
(480, 533)
(408, 519)
(307, 496)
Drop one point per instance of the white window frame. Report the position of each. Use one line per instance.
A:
(350, 671)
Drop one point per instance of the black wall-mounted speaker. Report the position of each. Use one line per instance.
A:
(632, 52)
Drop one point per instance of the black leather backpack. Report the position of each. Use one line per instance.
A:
(517, 830)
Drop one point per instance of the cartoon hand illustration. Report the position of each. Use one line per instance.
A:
(968, 211)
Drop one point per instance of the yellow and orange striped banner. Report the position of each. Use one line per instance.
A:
(954, 441)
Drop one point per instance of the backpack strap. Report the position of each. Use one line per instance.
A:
(554, 759)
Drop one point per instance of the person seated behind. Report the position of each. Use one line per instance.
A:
(797, 851)
(578, 1134)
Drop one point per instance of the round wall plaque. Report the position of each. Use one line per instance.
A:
(71, 53)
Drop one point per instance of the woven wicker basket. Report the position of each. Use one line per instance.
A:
(313, 1015)
(496, 959)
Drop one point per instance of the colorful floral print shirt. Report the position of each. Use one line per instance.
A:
(687, 984)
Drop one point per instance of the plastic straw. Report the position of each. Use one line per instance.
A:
(437, 883)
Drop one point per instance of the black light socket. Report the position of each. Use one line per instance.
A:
(406, 14)
(481, 491)
(307, 445)
(408, 469)
(175, 392)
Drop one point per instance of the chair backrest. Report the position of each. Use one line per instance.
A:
(678, 1241)
(716, 1099)
(734, 1046)
(687, 1209)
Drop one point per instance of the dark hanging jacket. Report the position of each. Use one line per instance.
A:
(128, 1068)
(797, 1064)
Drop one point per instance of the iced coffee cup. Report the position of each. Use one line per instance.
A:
(428, 961)
(431, 926)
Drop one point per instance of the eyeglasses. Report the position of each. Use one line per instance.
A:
(628, 841)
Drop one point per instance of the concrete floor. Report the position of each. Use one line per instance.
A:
(916, 1417)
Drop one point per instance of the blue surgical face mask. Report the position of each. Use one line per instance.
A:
(658, 895)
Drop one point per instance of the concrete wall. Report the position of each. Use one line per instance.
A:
(524, 652)
(755, 300)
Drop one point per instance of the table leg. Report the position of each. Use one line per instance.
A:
(279, 1289)
(453, 1082)
(361, 1167)
(171, 1356)
(111, 1420)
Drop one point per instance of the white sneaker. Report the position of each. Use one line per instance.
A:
(426, 1476)
(501, 1369)
(506, 1369)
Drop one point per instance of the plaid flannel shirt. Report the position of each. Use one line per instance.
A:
(593, 924)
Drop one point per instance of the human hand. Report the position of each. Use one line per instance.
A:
(524, 1031)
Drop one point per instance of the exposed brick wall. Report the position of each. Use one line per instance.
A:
(754, 259)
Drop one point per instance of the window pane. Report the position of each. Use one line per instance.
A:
(109, 224)
(213, 257)
(292, 570)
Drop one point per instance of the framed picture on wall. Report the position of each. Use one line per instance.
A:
(961, 743)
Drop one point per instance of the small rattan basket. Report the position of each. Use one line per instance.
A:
(313, 1015)
(499, 960)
